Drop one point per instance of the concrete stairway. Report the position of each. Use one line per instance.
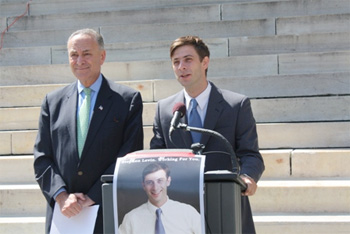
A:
(292, 58)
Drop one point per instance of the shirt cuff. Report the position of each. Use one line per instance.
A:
(58, 192)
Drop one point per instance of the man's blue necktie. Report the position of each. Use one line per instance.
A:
(159, 224)
(195, 121)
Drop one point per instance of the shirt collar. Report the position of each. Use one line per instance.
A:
(153, 208)
(202, 99)
(95, 87)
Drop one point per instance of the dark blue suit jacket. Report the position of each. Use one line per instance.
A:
(115, 130)
(231, 115)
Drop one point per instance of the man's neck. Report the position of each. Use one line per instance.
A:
(196, 91)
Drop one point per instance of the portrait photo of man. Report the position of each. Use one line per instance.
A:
(165, 208)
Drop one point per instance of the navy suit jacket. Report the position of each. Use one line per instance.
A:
(231, 115)
(115, 130)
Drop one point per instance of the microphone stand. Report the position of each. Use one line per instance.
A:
(199, 149)
(235, 167)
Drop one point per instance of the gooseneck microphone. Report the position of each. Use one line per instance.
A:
(179, 111)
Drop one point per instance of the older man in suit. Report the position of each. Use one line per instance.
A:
(220, 110)
(83, 128)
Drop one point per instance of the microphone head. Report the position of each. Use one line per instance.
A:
(180, 107)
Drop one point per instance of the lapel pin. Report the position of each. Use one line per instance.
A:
(100, 107)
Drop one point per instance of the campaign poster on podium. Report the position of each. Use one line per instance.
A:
(159, 190)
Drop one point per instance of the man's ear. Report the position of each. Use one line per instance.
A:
(205, 62)
(168, 181)
(103, 57)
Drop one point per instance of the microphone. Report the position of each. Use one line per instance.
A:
(179, 110)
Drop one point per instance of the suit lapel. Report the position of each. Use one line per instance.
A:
(180, 137)
(213, 111)
(71, 104)
(101, 108)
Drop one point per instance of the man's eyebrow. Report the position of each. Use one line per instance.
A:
(84, 51)
(186, 56)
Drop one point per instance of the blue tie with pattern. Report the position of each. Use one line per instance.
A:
(195, 121)
(159, 224)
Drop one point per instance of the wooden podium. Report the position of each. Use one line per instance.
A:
(222, 202)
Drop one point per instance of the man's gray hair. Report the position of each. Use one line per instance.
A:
(88, 31)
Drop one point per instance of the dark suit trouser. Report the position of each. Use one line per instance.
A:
(247, 220)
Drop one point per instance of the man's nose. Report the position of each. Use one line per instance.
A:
(80, 60)
(182, 66)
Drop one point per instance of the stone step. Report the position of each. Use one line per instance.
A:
(139, 70)
(12, 8)
(312, 62)
(290, 223)
(271, 136)
(116, 52)
(3, 22)
(303, 85)
(33, 95)
(289, 110)
(313, 24)
(16, 7)
(308, 163)
(278, 9)
(283, 196)
(14, 201)
(180, 14)
(284, 44)
(144, 32)
(298, 85)
(22, 225)
(17, 170)
(144, 2)
(237, 66)
(279, 164)
(159, 50)
(304, 135)
(230, 10)
(294, 135)
(264, 224)
(302, 196)
(169, 31)
(108, 15)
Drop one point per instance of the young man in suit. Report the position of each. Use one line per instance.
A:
(220, 110)
(83, 128)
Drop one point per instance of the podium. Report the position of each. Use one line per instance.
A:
(222, 202)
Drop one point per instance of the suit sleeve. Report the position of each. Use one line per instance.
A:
(247, 148)
(132, 141)
(158, 140)
(46, 173)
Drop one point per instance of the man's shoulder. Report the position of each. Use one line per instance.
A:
(138, 211)
(171, 99)
(227, 93)
(62, 91)
(120, 88)
(181, 205)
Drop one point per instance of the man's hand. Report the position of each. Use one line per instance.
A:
(86, 202)
(72, 204)
(251, 186)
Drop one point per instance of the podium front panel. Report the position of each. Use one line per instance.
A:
(222, 202)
